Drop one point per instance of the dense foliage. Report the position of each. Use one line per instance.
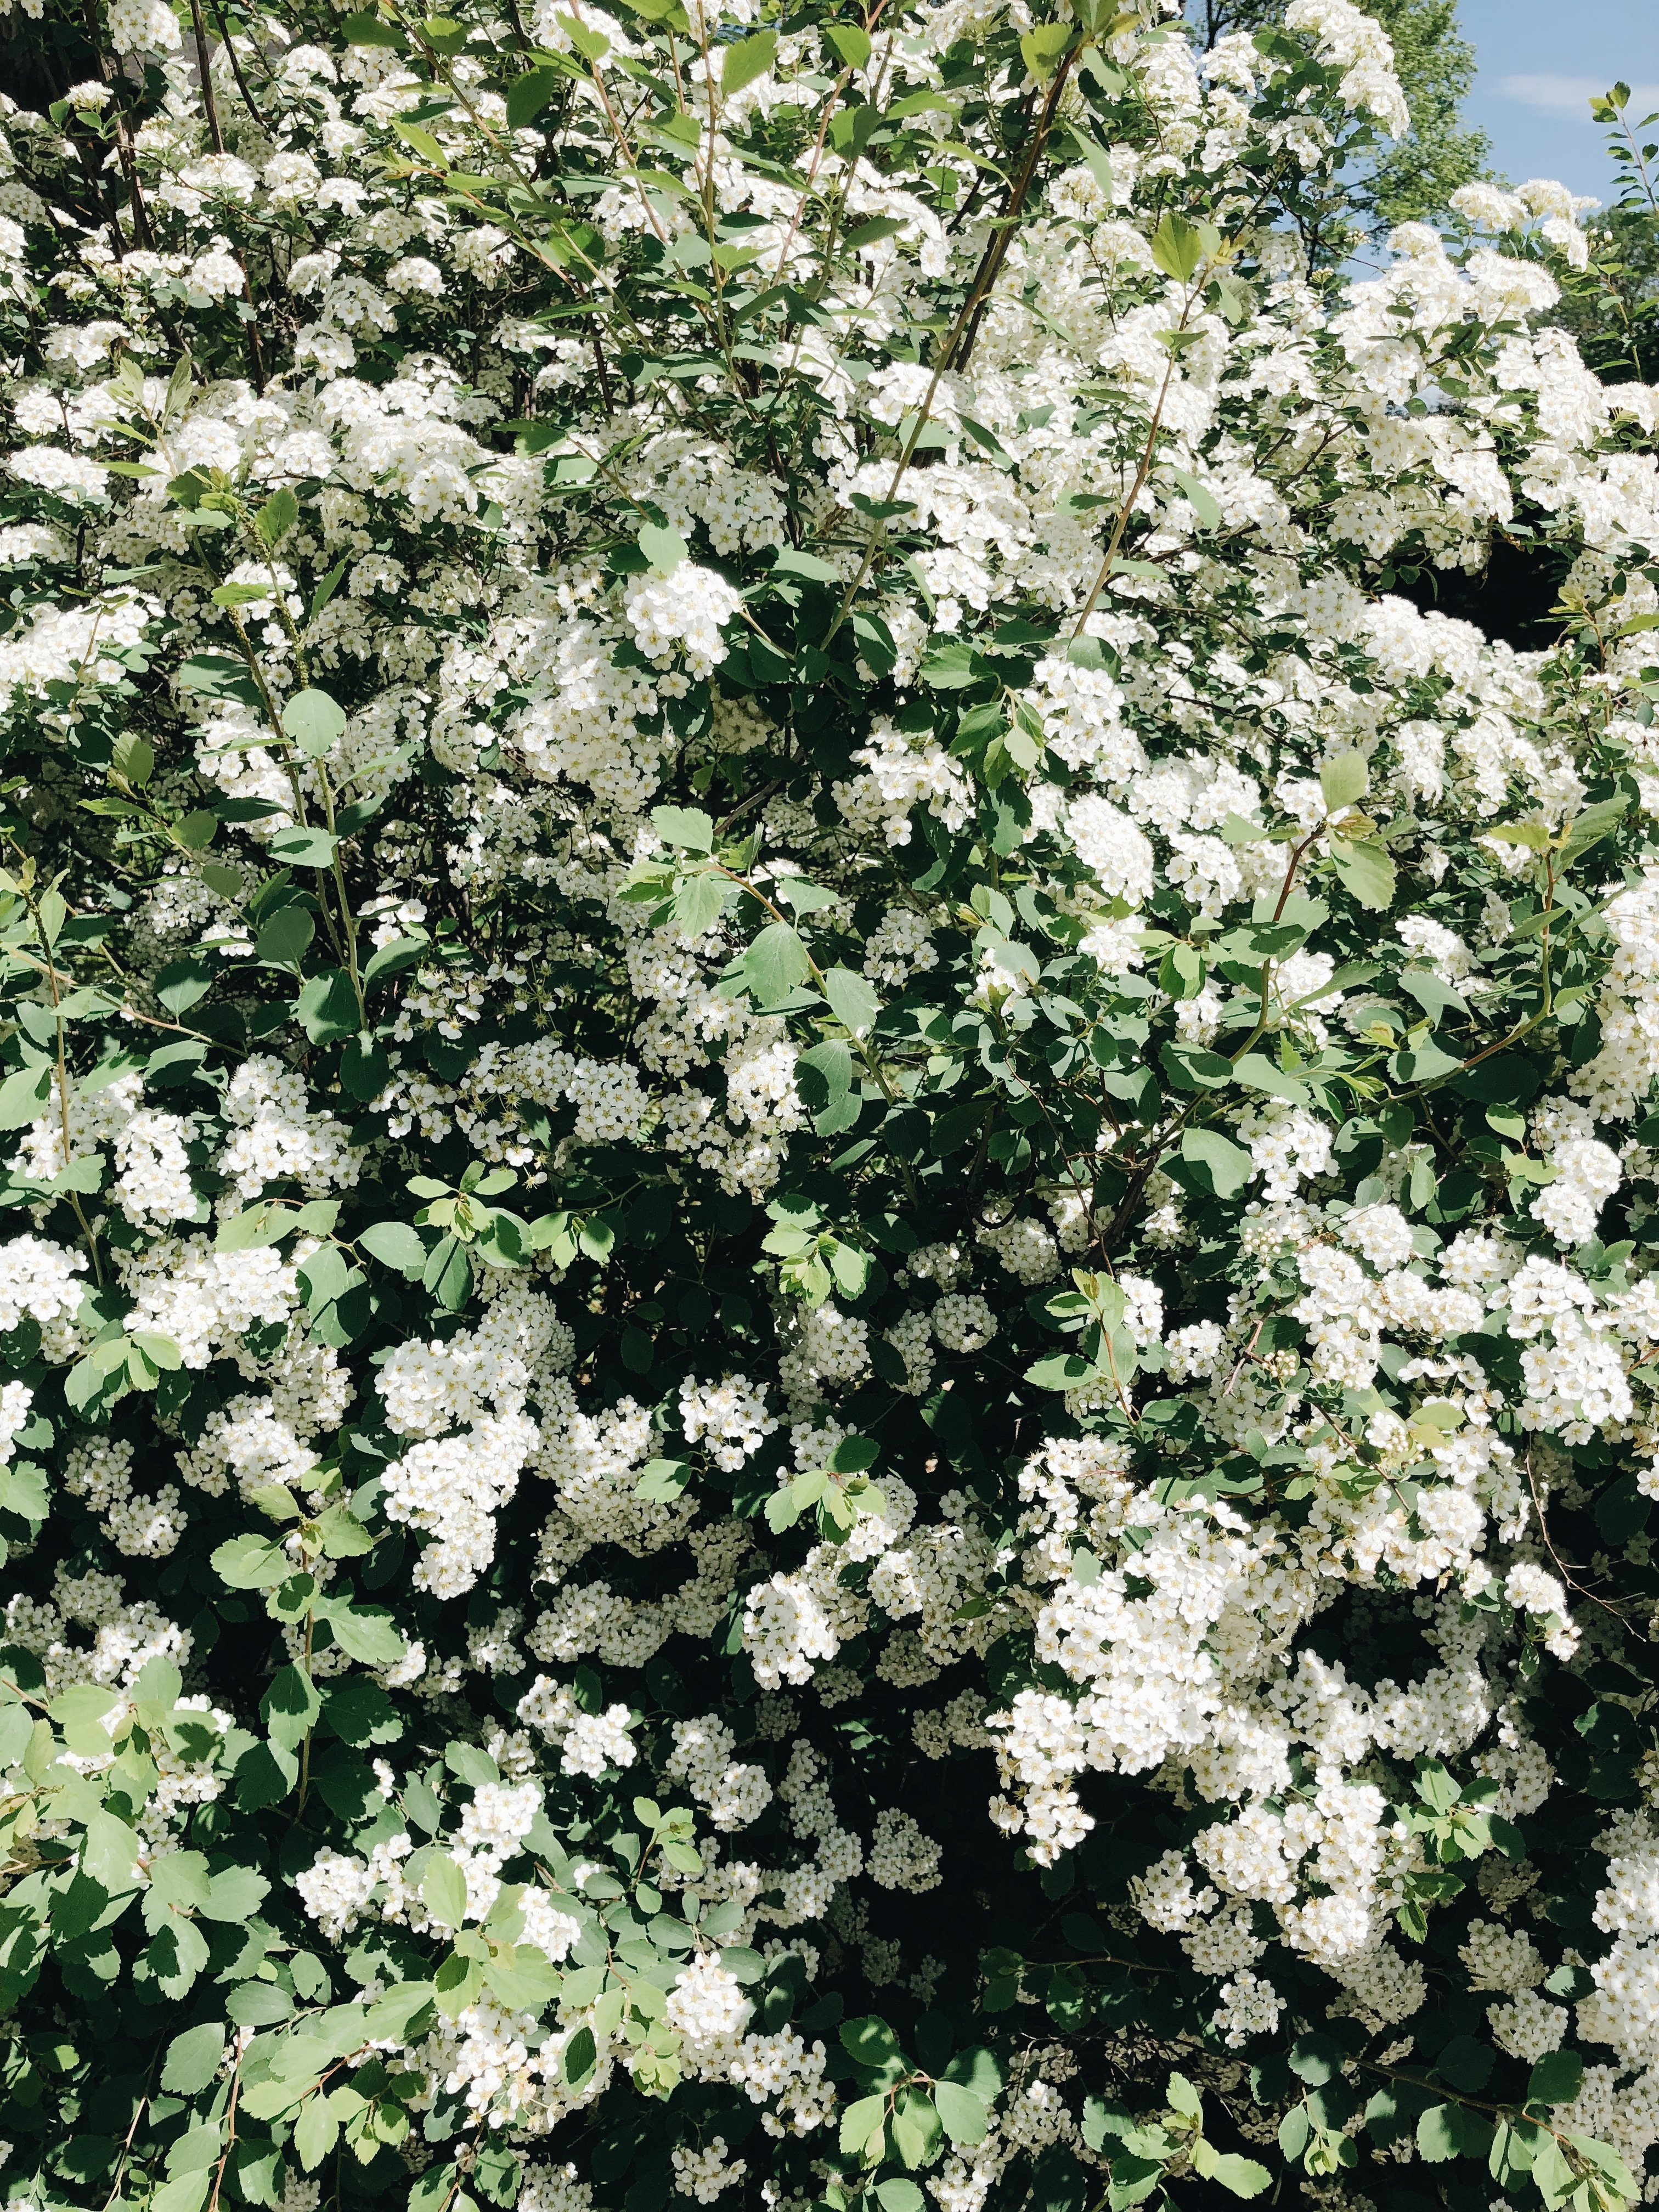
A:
(830, 1207)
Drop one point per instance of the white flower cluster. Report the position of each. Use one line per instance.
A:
(1234, 1281)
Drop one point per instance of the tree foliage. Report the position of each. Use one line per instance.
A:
(1612, 307)
(1411, 179)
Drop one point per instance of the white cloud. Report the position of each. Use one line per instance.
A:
(1572, 95)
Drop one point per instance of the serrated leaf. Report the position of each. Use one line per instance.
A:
(964, 2116)
(276, 518)
(443, 1890)
(1557, 2079)
(1343, 780)
(396, 1244)
(527, 96)
(1367, 873)
(774, 964)
(748, 59)
(1176, 247)
(1242, 2177)
(664, 549)
(686, 828)
(861, 2121)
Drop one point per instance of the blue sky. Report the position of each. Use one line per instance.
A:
(1540, 61)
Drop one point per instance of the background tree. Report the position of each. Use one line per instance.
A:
(1409, 180)
(1612, 308)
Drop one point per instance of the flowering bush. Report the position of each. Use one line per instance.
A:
(829, 1307)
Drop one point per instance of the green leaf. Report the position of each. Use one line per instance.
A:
(851, 43)
(448, 1273)
(186, 2191)
(1192, 1067)
(869, 2040)
(748, 59)
(250, 1562)
(1062, 1370)
(283, 939)
(978, 2069)
(193, 2058)
(685, 828)
(1223, 1166)
(322, 1277)
(391, 959)
(527, 96)
(421, 142)
(182, 982)
(790, 560)
(328, 1008)
(361, 1713)
(397, 1243)
(1241, 2176)
(1589, 826)
(316, 2131)
(523, 1978)
(963, 2114)
(664, 549)
(134, 759)
(774, 964)
(1203, 501)
(365, 1632)
(1557, 2079)
(276, 518)
(861, 2121)
(290, 1706)
(263, 1223)
(234, 1893)
(663, 1480)
(178, 1883)
(1042, 48)
(443, 1889)
(365, 29)
(1343, 780)
(1366, 873)
(898, 2194)
(1314, 2059)
(831, 1063)
(1448, 2131)
(1439, 2136)
(23, 1096)
(1255, 1071)
(303, 848)
(699, 902)
(852, 998)
(1466, 2063)
(314, 721)
(110, 1852)
(1176, 247)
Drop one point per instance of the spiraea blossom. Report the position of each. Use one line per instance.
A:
(829, 1306)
